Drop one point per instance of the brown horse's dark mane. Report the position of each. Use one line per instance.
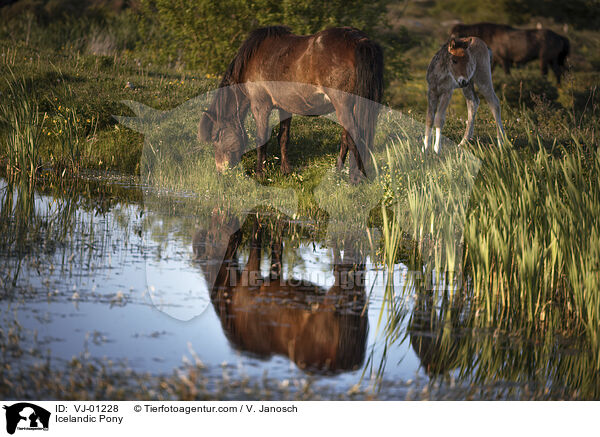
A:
(234, 71)
(228, 100)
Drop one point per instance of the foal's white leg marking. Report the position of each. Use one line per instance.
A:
(426, 140)
(501, 133)
(438, 138)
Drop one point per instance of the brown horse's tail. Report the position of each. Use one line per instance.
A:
(566, 48)
(369, 86)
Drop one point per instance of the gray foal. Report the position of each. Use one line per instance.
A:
(462, 63)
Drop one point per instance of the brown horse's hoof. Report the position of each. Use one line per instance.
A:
(286, 168)
(259, 174)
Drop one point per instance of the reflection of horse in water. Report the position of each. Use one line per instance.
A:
(322, 331)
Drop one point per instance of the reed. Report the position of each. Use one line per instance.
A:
(523, 247)
(20, 114)
(73, 136)
(532, 240)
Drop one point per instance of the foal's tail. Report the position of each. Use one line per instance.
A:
(369, 86)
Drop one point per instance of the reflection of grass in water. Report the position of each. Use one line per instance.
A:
(22, 227)
(445, 336)
(38, 232)
(85, 378)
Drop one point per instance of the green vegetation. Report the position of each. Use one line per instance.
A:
(77, 70)
(192, 31)
(25, 126)
(529, 265)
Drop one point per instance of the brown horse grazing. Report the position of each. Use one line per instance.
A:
(322, 331)
(306, 75)
(519, 46)
(463, 63)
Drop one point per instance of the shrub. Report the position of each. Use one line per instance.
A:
(519, 90)
(204, 34)
(580, 13)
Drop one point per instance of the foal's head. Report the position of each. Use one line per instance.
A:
(462, 64)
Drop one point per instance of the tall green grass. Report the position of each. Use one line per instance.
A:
(529, 259)
(73, 136)
(532, 239)
(19, 112)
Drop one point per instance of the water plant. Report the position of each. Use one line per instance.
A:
(528, 262)
(73, 135)
(19, 112)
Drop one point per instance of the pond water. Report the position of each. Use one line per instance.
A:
(90, 270)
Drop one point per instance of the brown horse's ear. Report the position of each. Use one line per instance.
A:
(205, 128)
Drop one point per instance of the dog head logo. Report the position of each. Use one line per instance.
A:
(26, 416)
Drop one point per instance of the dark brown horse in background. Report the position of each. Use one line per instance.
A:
(306, 75)
(519, 46)
(321, 330)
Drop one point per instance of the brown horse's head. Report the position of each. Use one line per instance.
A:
(462, 64)
(223, 125)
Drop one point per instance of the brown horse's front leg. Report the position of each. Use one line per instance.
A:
(343, 150)
(285, 120)
(357, 168)
(276, 250)
(262, 137)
